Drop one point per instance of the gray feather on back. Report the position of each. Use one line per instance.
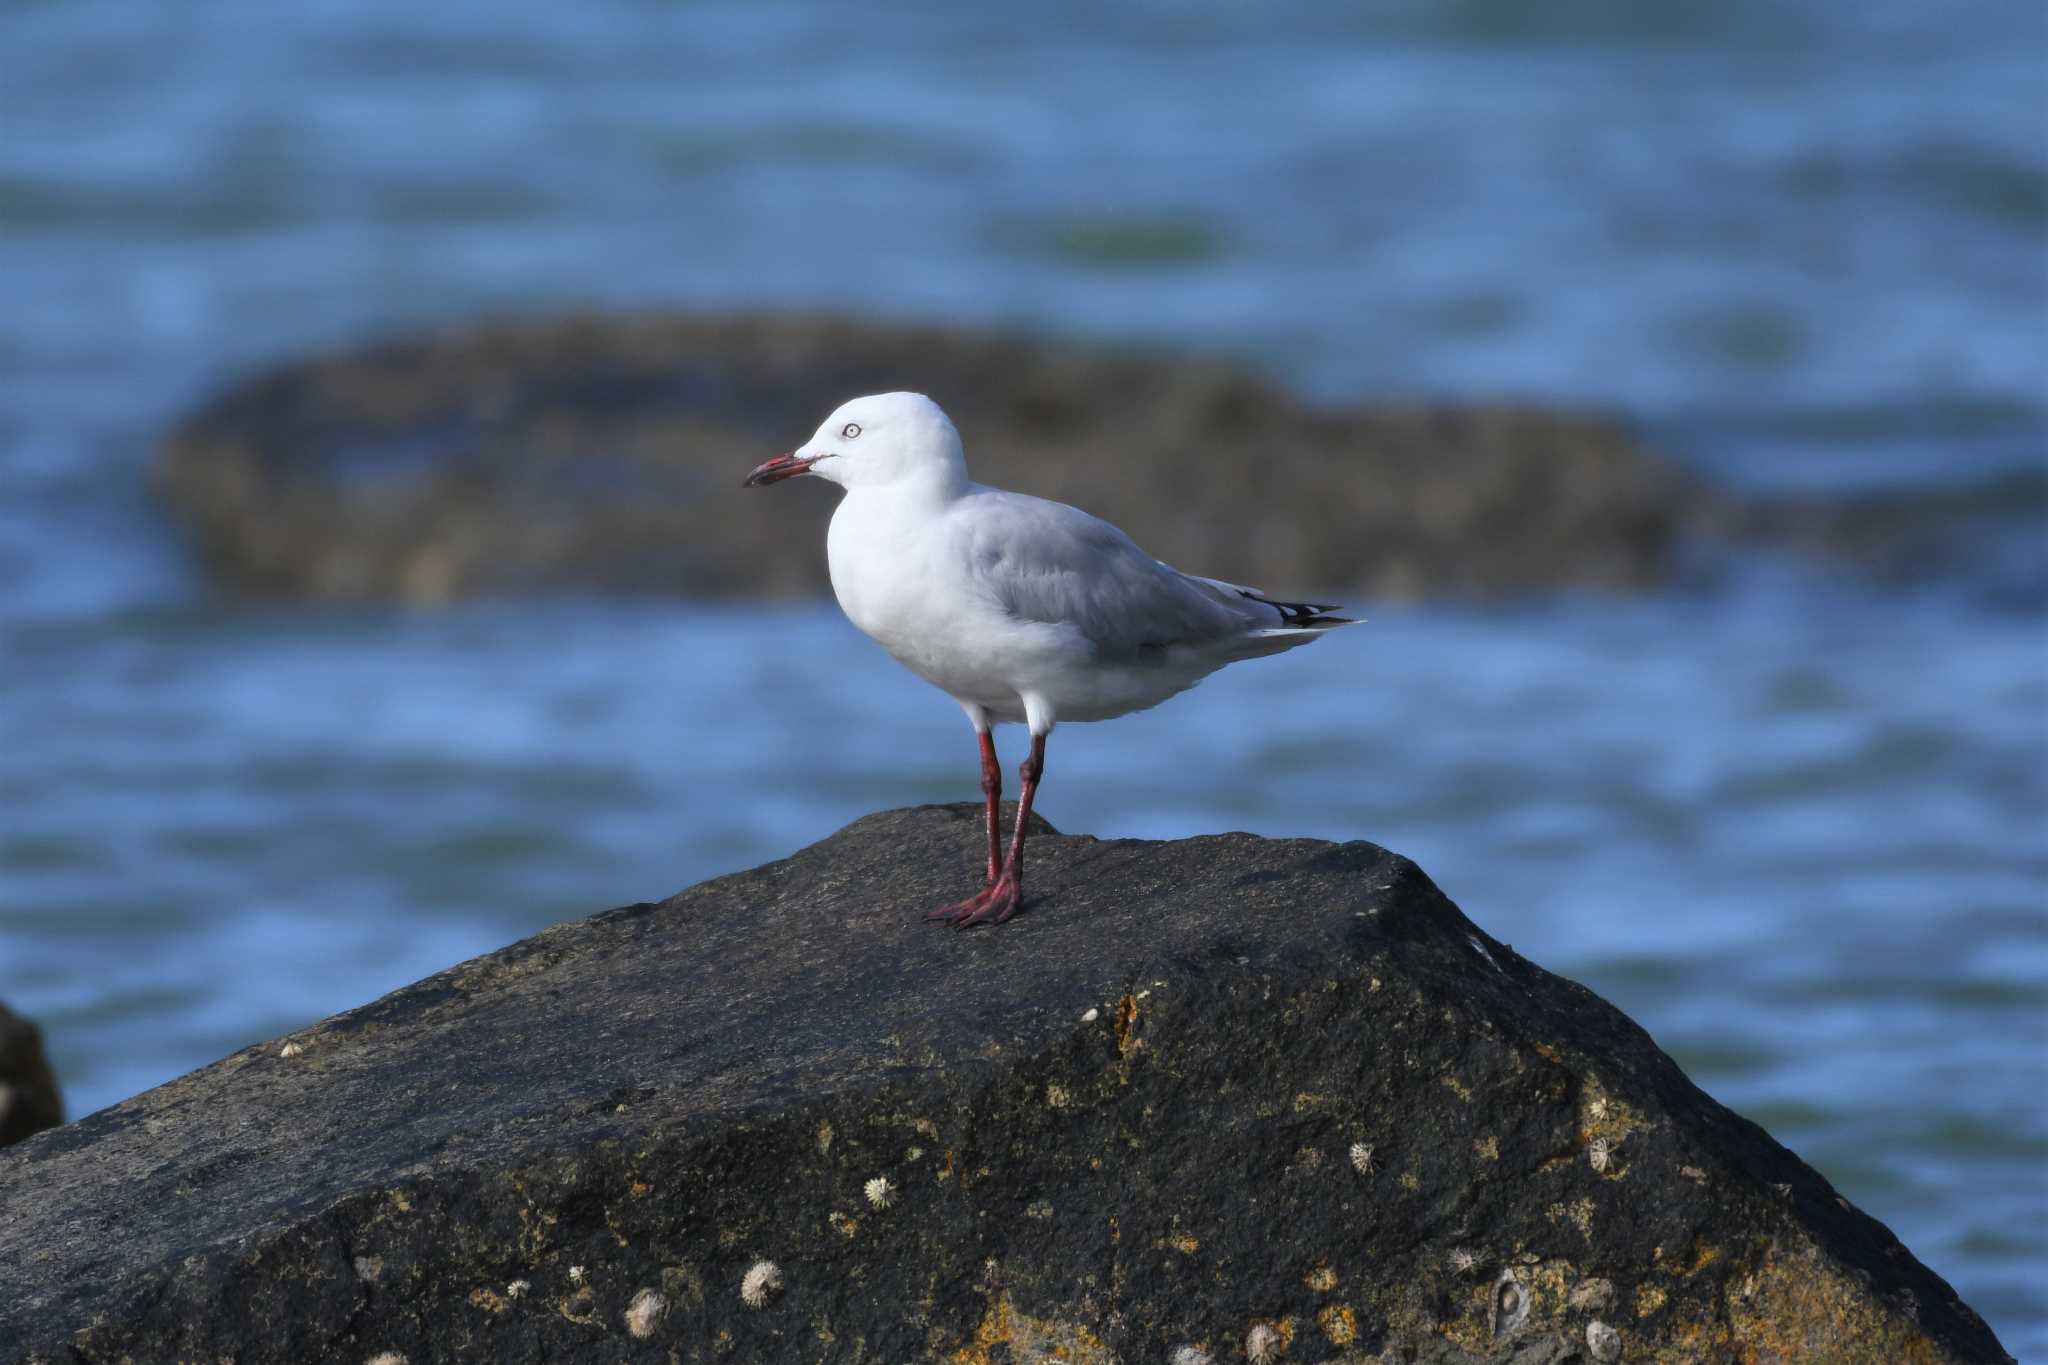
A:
(1048, 562)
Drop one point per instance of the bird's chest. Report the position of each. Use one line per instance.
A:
(898, 587)
(883, 573)
(876, 572)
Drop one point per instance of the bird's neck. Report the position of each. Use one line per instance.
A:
(924, 490)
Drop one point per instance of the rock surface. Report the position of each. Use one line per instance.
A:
(1210, 1094)
(608, 453)
(29, 1099)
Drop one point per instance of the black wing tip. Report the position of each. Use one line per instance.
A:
(1303, 613)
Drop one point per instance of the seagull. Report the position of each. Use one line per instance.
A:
(1019, 608)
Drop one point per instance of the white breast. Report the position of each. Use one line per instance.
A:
(904, 580)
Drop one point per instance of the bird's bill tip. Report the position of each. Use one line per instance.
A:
(782, 467)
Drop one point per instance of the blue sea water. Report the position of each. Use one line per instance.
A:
(1794, 822)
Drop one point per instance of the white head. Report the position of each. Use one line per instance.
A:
(875, 440)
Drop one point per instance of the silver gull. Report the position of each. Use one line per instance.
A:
(1020, 608)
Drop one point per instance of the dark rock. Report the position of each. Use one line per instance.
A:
(29, 1099)
(1195, 1089)
(608, 454)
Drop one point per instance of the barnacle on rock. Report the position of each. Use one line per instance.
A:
(763, 1282)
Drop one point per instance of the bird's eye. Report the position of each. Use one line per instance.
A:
(850, 430)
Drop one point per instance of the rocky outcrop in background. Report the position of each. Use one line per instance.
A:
(607, 453)
(29, 1099)
(1203, 1100)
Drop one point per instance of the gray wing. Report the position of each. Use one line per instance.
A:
(1048, 562)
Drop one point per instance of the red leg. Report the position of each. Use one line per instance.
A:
(992, 795)
(992, 819)
(998, 902)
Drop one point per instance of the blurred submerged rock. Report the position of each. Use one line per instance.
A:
(1201, 1094)
(607, 453)
(1986, 535)
(29, 1099)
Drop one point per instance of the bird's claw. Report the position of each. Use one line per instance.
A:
(991, 905)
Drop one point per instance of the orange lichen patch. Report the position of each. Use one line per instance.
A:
(1322, 1279)
(1547, 1283)
(1339, 1324)
(994, 1329)
(1126, 1025)
(488, 1300)
(1798, 1305)
(639, 1189)
(1181, 1242)
(1700, 1340)
(1702, 1257)
(1579, 1213)
(1472, 1329)
(1649, 1298)
(1024, 1337)
(534, 1234)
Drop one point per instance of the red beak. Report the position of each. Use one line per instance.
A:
(780, 468)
